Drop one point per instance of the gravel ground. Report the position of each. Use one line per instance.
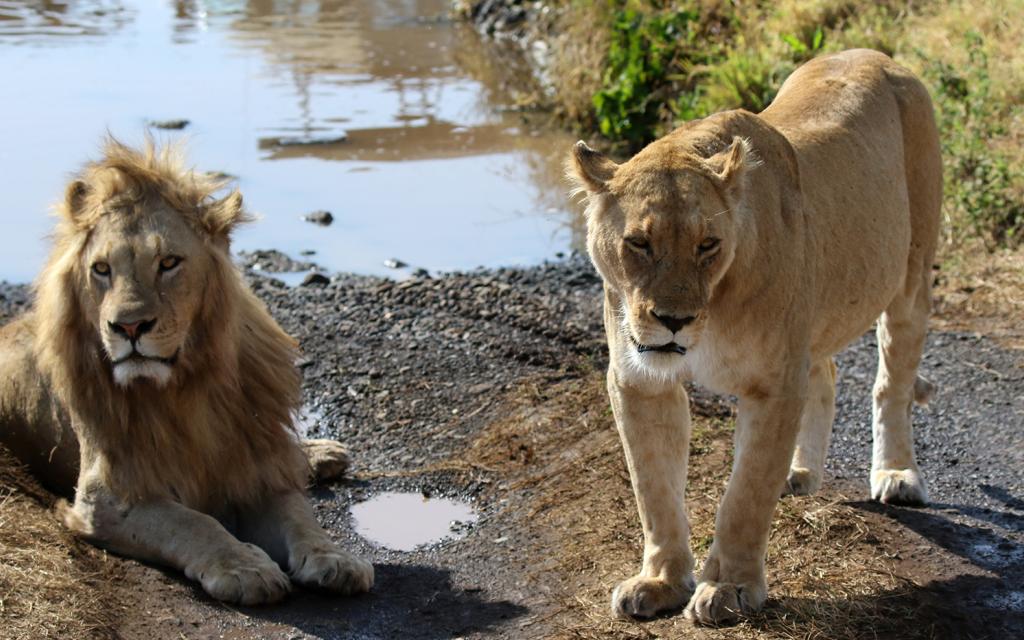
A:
(407, 372)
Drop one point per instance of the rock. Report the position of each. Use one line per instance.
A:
(315, 278)
(302, 141)
(395, 263)
(420, 272)
(175, 125)
(271, 261)
(321, 217)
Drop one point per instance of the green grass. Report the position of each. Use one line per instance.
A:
(663, 63)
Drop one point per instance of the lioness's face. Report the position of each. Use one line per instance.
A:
(144, 285)
(662, 237)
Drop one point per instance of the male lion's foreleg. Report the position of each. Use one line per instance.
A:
(173, 535)
(287, 529)
(328, 459)
(895, 477)
(733, 580)
(655, 430)
(808, 466)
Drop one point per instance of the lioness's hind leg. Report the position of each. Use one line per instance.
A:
(808, 466)
(895, 477)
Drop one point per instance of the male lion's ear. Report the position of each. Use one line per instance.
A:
(732, 166)
(588, 169)
(221, 216)
(74, 199)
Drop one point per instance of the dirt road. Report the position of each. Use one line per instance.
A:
(488, 386)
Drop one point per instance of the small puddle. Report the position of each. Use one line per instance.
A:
(404, 521)
(307, 421)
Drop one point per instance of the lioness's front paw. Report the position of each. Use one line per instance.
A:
(243, 574)
(802, 482)
(641, 597)
(330, 568)
(898, 486)
(721, 603)
(328, 459)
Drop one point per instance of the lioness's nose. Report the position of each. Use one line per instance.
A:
(133, 330)
(671, 323)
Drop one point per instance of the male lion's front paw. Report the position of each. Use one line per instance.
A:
(332, 569)
(641, 597)
(244, 574)
(328, 459)
(802, 482)
(898, 486)
(717, 603)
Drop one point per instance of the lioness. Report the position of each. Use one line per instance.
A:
(742, 251)
(147, 359)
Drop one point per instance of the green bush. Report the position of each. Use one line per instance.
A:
(982, 190)
(650, 60)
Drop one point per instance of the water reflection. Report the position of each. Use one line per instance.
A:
(434, 168)
(26, 22)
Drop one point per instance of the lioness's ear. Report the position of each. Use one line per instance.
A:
(221, 216)
(74, 200)
(588, 169)
(732, 166)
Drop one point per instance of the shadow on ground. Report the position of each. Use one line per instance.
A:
(408, 601)
(983, 597)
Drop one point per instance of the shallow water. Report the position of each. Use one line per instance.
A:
(433, 171)
(404, 521)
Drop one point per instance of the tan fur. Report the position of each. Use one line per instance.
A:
(207, 427)
(749, 249)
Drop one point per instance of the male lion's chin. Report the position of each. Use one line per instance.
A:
(127, 372)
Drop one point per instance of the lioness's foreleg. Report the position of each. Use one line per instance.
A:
(808, 466)
(287, 529)
(733, 580)
(654, 425)
(895, 477)
(168, 533)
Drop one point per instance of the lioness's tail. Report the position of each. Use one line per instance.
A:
(923, 391)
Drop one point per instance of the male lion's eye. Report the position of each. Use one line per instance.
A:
(169, 263)
(101, 269)
(638, 244)
(708, 245)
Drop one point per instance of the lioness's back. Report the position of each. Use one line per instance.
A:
(863, 131)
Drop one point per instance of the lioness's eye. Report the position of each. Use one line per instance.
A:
(101, 269)
(638, 243)
(708, 245)
(169, 263)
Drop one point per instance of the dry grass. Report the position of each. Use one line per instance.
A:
(51, 585)
(983, 292)
(558, 450)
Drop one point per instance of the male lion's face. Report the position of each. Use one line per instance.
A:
(144, 271)
(662, 233)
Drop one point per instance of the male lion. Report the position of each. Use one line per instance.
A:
(742, 251)
(147, 358)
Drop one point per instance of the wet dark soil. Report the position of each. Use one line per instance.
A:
(409, 373)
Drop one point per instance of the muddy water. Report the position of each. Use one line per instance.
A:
(435, 169)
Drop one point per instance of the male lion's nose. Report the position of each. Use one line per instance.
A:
(671, 323)
(132, 330)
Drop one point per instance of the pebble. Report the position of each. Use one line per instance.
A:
(321, 217)
(172, 125)
(315, 278)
